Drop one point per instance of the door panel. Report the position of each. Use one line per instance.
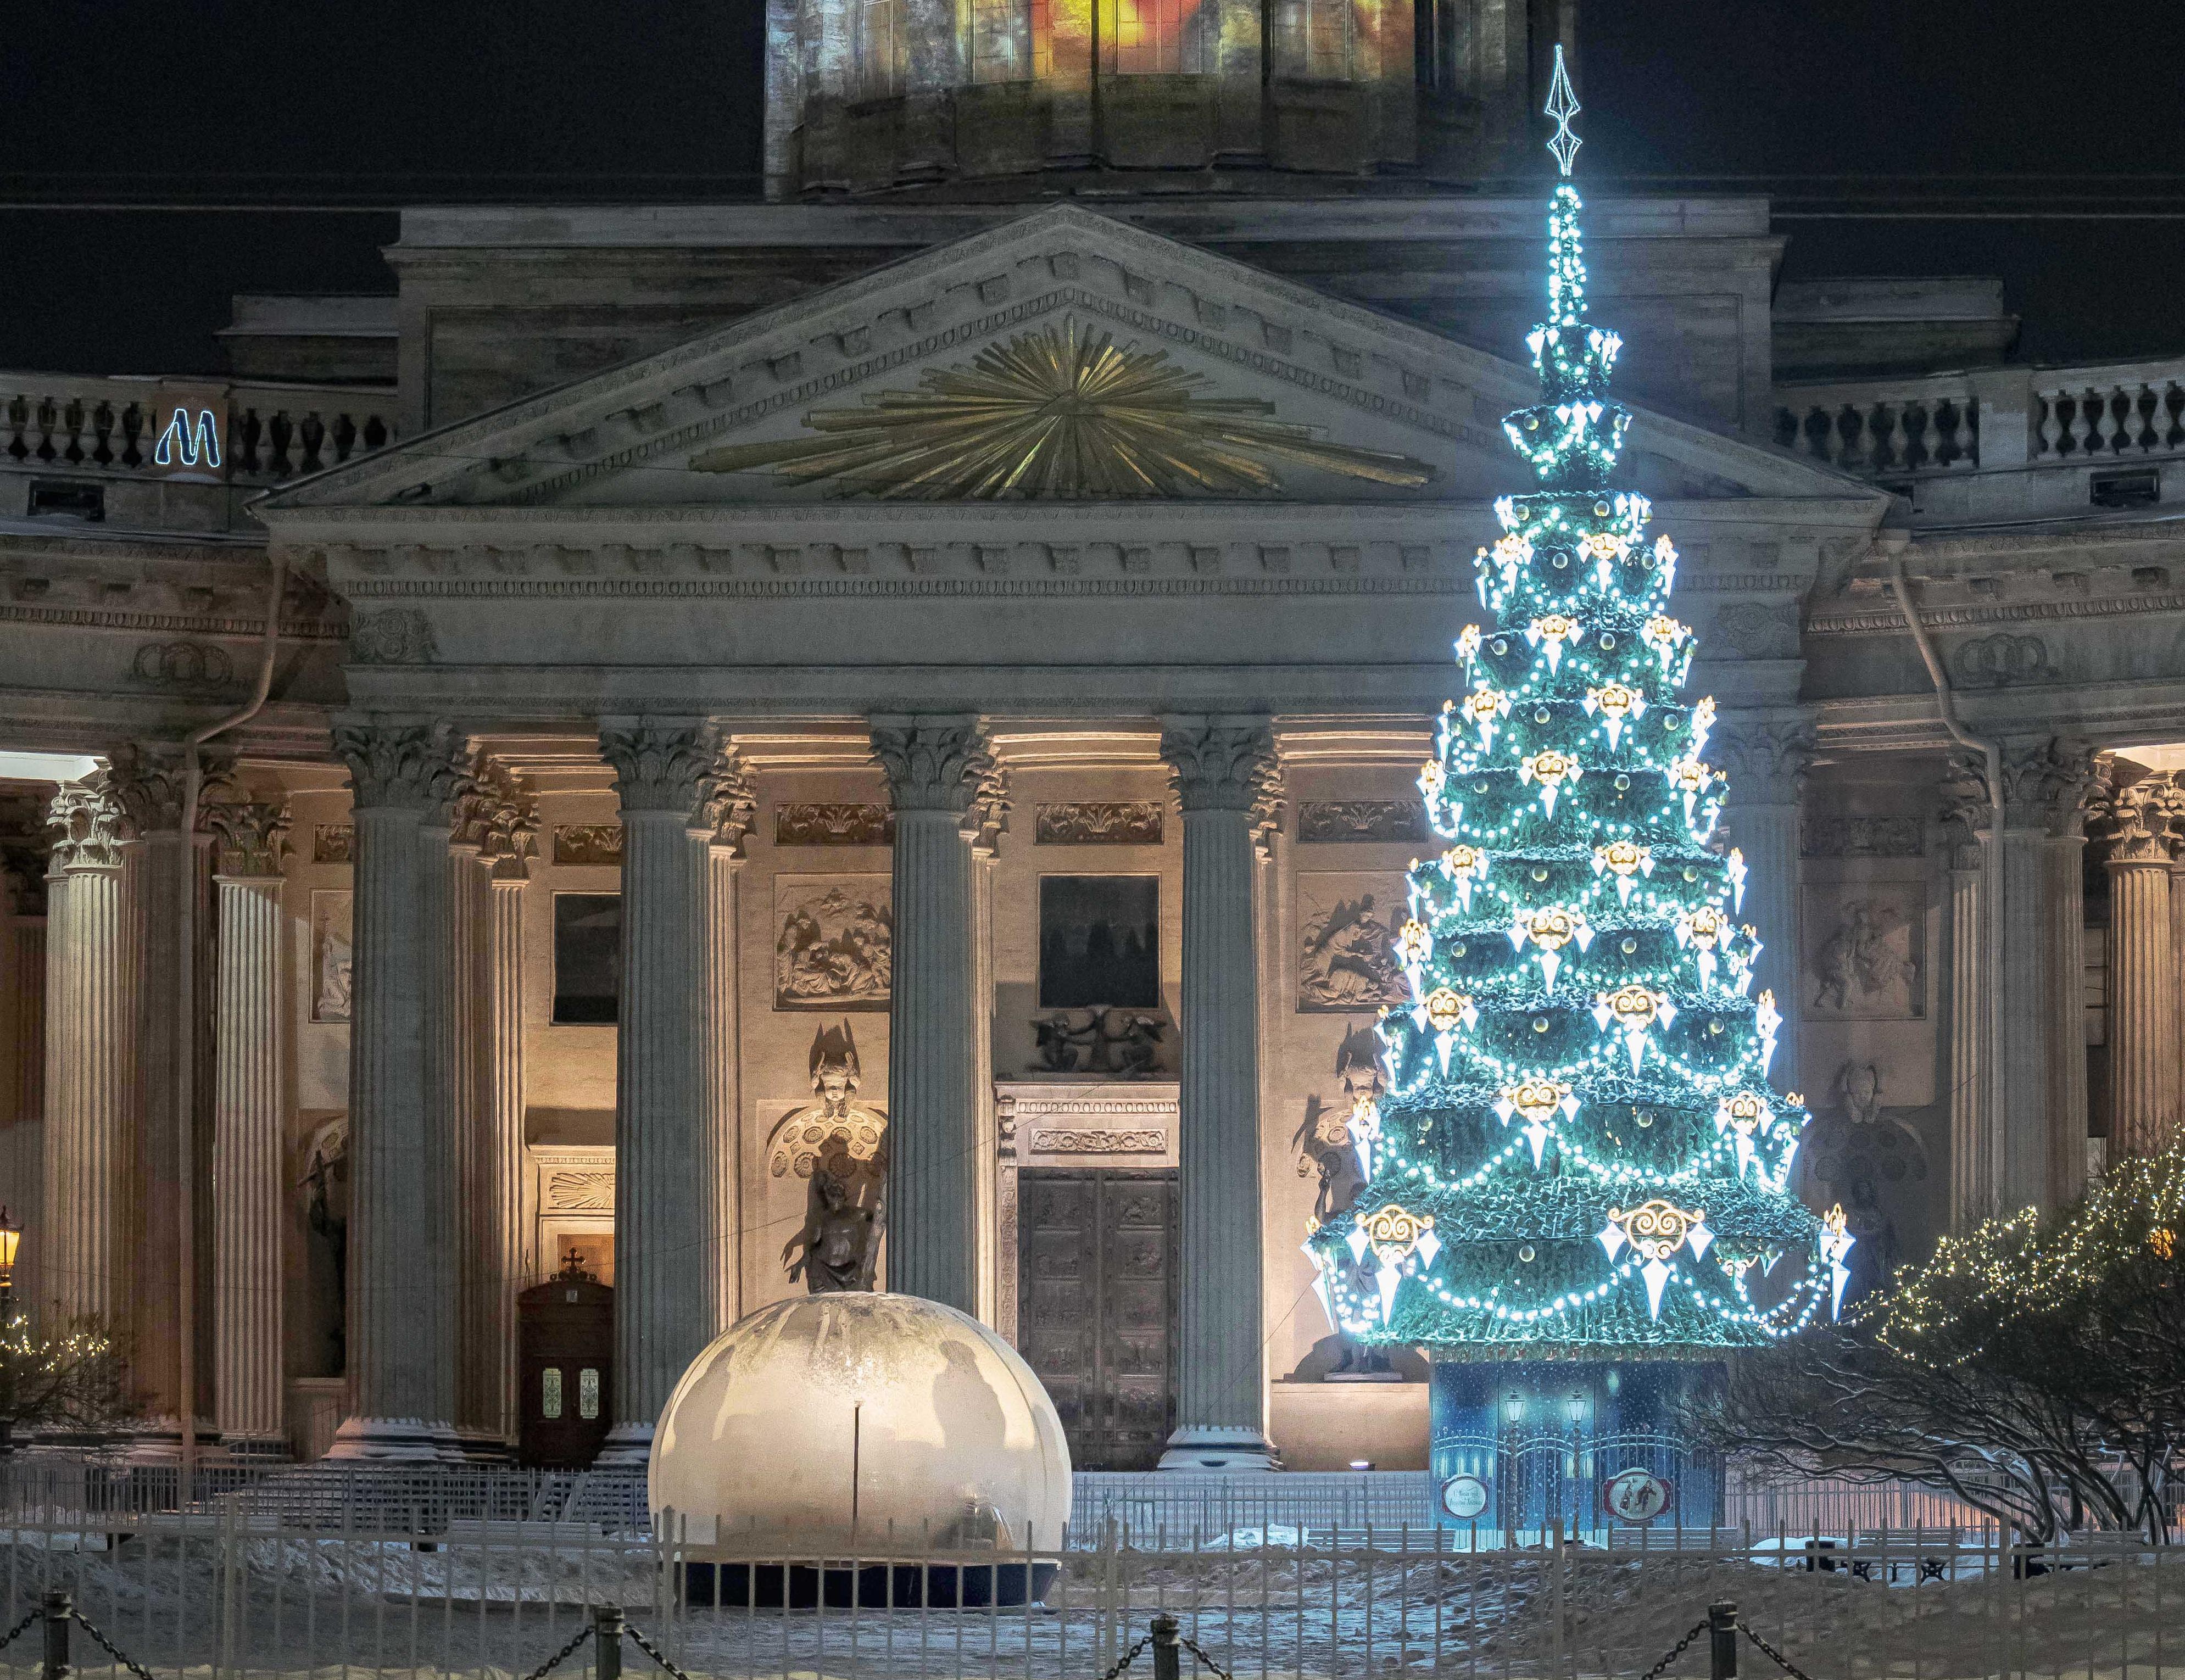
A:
(1097, 1315)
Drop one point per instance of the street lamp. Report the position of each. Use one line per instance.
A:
(1513, 1408)
(1574, 1409)
(11, 1236)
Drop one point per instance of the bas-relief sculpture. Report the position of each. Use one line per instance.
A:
(833, 825)
(1867, 951)
(333, 843)
(838, 1147)
(1366, 821)
(1136, 822)
(1346, 941)
(1115, 1043)
(1862, 836)
(578, 846)
(1062, 411)
(331, 909)
(835, 946)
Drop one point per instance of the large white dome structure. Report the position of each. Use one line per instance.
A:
(823, 1425)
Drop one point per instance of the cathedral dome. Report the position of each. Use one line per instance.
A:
(831, 1417)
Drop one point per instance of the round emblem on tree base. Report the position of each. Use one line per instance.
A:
(1464, 1497)
(1635, 1496)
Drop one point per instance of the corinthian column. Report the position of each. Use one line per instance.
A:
(2139, 820)
(1976, 1159)
(1222, 767)
(400, 1281)
(934, 768)
(247, 1162)
(493, 843)
(2038, 1026)
(88, 1061)
(148, 785)
(664, 1302)
(1766, 760)
(718, 856)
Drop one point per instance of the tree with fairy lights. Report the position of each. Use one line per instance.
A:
(1577, 1156)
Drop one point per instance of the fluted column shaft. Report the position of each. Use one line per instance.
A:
(89, 1063)
(497, 1219)
(934, 765)
(720, 1086)
(248, 1166)
(664, 1301)
(1221, 768)
(151, 888)
(1766, 763)
(1976, 1185)
(2143, 993)
(2063, 908)
(399, 1280)
(2025, 1039)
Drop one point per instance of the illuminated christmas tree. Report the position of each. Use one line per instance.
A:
(1578, 1175)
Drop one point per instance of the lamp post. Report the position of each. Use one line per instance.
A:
(1574, 1409)
(1512, 1491)
(11, 1237)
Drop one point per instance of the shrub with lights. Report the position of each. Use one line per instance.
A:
(1578, 1155)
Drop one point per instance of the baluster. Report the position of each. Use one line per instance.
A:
(1880, 432)
(14, 419)
(2168, 431)
(341, 436)
(1845, 454)
(1786, 429)
(1964, 433)
(248, 430)
(280, 430)
(137, 435)
(2081, 427)
(42, 424)
(2105, 423)
(2139, 418)
(2051, 424)
(1930, 435)
(102, 422)
(310, 432)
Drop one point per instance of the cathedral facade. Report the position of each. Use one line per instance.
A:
(872, 737)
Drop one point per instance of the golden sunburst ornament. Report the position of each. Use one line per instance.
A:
(1058, 413)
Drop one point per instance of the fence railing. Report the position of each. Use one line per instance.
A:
(259, 432)
(227, 1592)
(1936, 424)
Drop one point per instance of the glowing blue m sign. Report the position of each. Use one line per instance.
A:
(189, 442)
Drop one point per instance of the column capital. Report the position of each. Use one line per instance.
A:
(405, 766)
(932, 761)
(1765, 760)
(252, 838)
(89, 827)
(731, 802)
(987, 818)
(661, 764)
(1222, 763)
(2140, 820)
(498, 818)
(2046, 781)
(146, 778)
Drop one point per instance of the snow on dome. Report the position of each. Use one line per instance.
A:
(826, 1418)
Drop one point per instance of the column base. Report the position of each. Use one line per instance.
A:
(158, 1441)
(628, 1446)
(395, 1440)
(483, 1446)
(1219, 1447)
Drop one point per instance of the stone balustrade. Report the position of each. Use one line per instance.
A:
(1992, 418)
(265, 433)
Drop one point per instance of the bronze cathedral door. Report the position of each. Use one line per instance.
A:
(1096, 1307)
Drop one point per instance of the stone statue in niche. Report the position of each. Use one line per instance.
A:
(1869, 1163)
(839, 1147)
(325, 1191)
(1327, 1146)
(1110, 1043)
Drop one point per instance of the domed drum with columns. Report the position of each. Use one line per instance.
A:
(843, 1424)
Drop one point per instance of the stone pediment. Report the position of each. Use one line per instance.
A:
(1064, 356)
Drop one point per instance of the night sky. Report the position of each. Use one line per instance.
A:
(2008, 115)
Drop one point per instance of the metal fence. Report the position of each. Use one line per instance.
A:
(235, 1588)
